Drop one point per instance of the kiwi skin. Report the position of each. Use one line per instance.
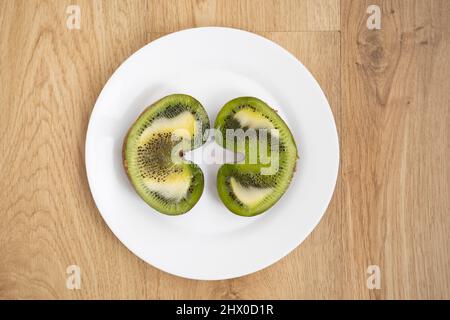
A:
(195, 170)
(227, 171)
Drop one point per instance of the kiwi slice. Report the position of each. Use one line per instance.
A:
(252, 186)
(153, 153)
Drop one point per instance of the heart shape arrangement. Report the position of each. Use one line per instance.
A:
(154, 147)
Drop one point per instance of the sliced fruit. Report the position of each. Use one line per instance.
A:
(248, 125)
(153, 153)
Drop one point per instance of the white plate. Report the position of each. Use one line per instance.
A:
(214, 65)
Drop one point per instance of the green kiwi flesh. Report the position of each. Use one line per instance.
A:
(241, 186)
(153, 153)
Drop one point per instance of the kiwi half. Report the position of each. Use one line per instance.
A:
(153, 153)
(252, 186)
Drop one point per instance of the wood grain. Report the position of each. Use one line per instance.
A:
(252, 15)
(395, 131)
(389, 92)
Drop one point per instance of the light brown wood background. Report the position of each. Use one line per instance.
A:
(390, 94)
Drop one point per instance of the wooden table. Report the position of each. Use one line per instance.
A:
(389, 90)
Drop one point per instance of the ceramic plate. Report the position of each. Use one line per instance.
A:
(213, 65)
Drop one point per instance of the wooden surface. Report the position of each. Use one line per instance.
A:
(389, 90)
